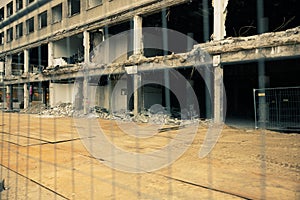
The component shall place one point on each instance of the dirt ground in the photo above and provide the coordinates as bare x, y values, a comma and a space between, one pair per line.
44, 158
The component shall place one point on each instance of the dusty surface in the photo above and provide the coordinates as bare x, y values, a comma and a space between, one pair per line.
43, 158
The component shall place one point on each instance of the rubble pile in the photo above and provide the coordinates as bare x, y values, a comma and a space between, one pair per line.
153, 116
61, 110
34, 109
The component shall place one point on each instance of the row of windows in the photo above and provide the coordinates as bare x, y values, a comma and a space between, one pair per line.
10, 8
29, 28
73, 7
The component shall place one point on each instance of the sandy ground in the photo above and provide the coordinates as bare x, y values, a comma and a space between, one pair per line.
44, 158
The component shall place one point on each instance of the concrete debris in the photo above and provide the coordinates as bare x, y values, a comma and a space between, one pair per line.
153, 116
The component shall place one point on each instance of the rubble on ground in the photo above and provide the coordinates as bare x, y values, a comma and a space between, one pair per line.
146, 116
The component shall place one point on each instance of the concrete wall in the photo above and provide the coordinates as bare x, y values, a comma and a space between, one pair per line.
61, 93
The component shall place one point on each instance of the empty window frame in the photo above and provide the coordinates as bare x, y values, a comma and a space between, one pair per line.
43, 20
19, 30
30, 25
1, 13
73, 7
9, 9
57, 13
9, 35
19, 4
94, 3
1, 38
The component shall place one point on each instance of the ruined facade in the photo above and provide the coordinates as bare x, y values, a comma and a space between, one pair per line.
46, 46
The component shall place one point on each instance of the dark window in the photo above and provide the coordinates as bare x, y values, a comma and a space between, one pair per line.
29, 1
57, 13
9, 8
43, 20
30, 25
74, 7
9, 35
2, 14
1, 38
93, 3
19, 4
19, 30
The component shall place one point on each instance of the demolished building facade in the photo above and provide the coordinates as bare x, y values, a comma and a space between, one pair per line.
46, 47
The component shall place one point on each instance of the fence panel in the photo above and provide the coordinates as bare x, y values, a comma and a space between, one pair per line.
277, 108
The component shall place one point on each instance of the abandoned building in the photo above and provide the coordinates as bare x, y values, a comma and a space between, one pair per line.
46, 46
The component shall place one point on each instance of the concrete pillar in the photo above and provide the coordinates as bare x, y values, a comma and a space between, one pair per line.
26, 61
51, 95
9, 98
50, 54
86, 44
2, 64
8, 65
220, 11
137, 93
26, 95
137, 50
86, 100
138, 35
218, 93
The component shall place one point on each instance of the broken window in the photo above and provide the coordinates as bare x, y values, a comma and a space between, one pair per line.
9, 8
2, 14
69, 50
1, 38
43, 20
93, 3
19, 30
74, 7
30, 25
9, 35
57, 13
29, 1
19, 4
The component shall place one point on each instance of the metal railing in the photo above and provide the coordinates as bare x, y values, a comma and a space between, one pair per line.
277, 108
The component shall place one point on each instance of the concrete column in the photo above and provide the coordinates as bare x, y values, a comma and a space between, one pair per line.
220, 11
8, 65
86, 44
51, 95
26, 61
1, 70
26, 95
9, 98
86, 100
138, 35
137, 50
137, 91
50, 54
218, 94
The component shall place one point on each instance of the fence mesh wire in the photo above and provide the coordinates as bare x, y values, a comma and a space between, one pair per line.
277, 108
